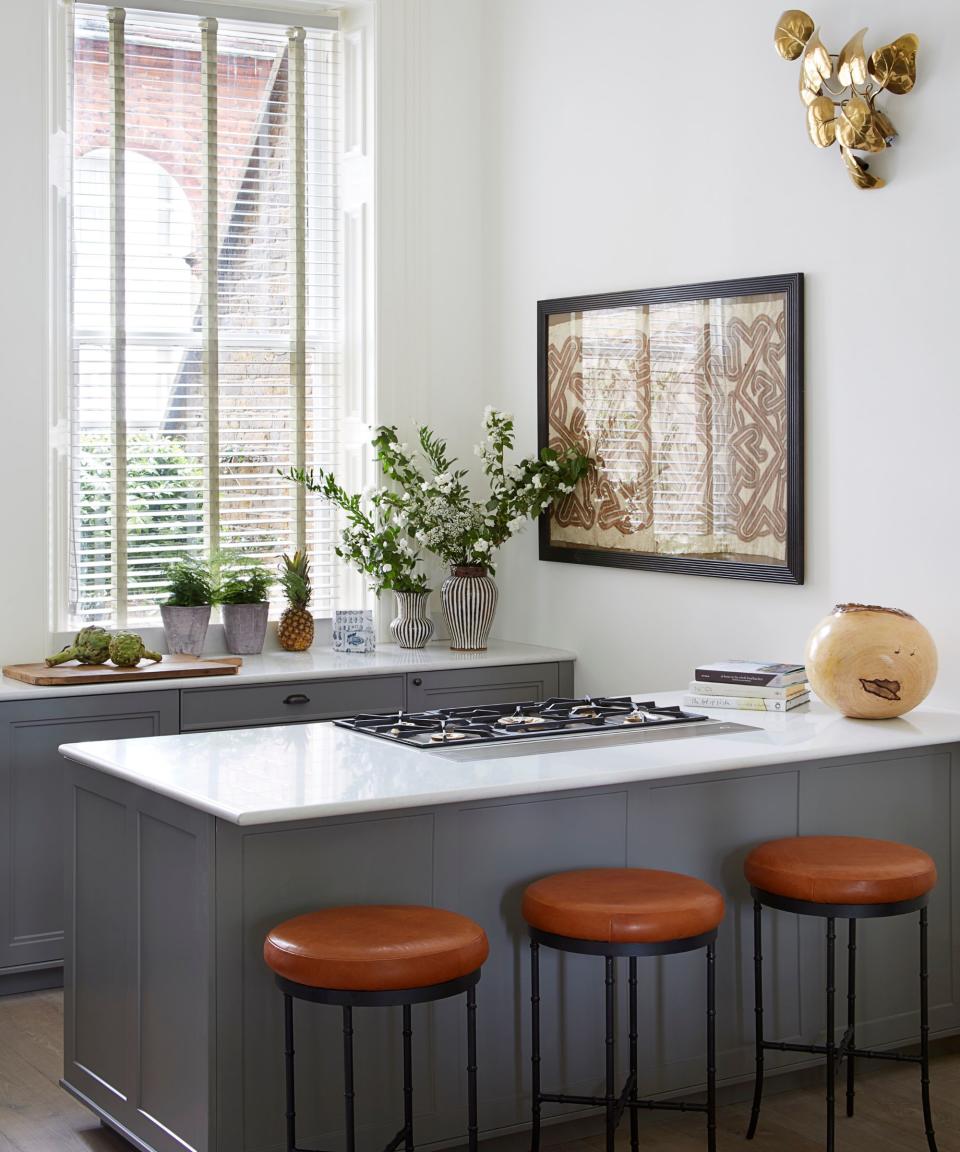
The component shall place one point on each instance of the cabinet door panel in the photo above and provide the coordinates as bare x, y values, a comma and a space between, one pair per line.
476, 687
31, 806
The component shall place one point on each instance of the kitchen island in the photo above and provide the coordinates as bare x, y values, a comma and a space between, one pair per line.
186, 849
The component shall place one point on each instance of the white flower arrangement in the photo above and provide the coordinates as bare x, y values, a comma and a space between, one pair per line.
442, 515
387, 528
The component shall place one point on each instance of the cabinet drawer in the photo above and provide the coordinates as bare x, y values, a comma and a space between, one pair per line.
474, 687
292, 702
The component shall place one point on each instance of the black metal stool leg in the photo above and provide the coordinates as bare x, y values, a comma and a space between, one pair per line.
288, 1069
925, 1036
831, 1031
535, 1044
851, 1037
634, 1073
757, 1016
407, 1079
711, 1049
611, 1092
348, 1101
472, 1068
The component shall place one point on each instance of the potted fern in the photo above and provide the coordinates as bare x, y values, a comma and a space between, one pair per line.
244, 607
295, 626
188, 584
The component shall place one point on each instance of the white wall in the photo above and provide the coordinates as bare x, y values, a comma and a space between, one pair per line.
23, 340
436, 139
655, 143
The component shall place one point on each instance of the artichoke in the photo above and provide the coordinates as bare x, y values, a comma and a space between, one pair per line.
91, 645
127, 650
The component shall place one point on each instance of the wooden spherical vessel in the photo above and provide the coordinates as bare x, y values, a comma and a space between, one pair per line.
871, 662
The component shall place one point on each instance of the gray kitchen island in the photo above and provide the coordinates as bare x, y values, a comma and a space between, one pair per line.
185, 849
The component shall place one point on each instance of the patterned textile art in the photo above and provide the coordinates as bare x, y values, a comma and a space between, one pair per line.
684, 407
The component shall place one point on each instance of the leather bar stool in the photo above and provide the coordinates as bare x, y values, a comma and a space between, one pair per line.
377, 956
850, 878
630, 912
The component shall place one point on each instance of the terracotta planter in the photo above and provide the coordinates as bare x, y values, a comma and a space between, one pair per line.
412, 627
871, 662
469, 598
185, 629
245, 627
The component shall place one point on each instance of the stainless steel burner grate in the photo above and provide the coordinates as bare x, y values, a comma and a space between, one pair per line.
530, 719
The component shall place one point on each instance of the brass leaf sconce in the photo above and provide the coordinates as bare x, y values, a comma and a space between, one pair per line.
840, 92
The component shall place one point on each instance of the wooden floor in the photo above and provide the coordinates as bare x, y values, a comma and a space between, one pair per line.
36, 1115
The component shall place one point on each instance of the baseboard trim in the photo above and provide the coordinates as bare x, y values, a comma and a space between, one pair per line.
105, 1119
14, 982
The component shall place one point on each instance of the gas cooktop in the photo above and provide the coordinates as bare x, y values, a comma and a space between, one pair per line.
532, 719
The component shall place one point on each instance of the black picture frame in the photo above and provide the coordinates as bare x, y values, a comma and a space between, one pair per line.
792, 570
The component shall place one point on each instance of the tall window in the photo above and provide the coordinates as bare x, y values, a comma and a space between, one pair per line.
206, 298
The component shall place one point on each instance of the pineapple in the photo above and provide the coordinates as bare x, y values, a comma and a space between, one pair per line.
295, 628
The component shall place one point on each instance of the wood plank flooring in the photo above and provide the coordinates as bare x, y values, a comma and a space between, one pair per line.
36, 1115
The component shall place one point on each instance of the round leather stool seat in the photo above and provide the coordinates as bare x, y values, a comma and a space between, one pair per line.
623, 905
376, 947
840, 870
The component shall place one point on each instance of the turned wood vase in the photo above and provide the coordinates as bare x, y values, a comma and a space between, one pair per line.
871, 662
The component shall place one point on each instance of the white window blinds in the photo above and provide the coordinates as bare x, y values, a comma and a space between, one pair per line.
206, 298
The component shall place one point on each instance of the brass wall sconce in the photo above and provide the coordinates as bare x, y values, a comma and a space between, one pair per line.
840, 92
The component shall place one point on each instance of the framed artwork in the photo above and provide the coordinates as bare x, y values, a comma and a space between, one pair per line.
690, 401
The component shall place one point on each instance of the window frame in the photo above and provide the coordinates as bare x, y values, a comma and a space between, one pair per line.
357, 308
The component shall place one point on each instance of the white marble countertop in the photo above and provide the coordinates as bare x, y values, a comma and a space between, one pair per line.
316, 664
299, 772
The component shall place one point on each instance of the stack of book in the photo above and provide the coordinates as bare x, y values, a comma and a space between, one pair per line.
758, 686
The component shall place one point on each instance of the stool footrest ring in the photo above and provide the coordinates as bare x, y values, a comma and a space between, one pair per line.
397, 1140
623, 1101
593, 1101
840, 1051
390, 1147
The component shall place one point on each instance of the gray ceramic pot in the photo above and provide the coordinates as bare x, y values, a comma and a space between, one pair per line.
245, 627
185, 628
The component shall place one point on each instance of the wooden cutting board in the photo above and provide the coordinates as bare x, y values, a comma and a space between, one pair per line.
169, 668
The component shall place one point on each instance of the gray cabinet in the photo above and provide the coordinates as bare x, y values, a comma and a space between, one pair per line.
474, 687
31, 814
138, 996
289, 702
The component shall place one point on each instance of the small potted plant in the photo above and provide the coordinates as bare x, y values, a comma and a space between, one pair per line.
295, 627
188, 584
242, 596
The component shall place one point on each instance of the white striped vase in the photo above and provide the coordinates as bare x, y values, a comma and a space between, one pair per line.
469, 598
413, 627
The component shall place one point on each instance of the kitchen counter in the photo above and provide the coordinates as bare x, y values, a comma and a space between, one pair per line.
316, 664
277, 774
183, 851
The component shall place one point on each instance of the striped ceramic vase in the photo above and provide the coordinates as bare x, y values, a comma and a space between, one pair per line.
413, 627
469, 598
